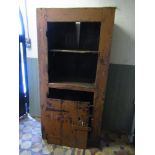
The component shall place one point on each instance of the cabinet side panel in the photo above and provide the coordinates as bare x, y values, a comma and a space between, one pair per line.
102, 72
42, 55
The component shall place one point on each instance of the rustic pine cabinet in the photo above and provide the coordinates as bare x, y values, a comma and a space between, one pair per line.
73, 51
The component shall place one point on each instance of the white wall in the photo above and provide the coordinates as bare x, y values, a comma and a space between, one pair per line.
122, 51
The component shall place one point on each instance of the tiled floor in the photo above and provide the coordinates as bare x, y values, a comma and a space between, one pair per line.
31, 143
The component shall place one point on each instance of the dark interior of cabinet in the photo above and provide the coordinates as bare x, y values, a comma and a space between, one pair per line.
72, 67
73, 35
70, 95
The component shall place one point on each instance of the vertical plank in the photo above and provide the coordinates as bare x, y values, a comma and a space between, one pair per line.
51, 122
67, 129
42, 56
74, 132
102, 72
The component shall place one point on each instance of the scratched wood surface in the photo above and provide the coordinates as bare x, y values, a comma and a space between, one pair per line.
73, 86
66, 122
77, 14
102, 72
60, 119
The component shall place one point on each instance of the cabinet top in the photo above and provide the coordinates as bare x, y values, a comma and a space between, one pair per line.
97, 14
109, 7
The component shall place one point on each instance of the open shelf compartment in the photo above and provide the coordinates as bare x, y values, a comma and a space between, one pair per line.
73, 35
72, 67
74, 95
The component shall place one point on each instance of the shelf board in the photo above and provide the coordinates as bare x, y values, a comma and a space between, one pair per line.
88, 87
73, 51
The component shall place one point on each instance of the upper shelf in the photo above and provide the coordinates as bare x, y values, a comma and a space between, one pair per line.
89, 87
73, 51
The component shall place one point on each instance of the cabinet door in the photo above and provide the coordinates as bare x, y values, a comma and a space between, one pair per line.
66, 122
69, 117
82, 113
74, 126
81, 136
81, 127
51, 121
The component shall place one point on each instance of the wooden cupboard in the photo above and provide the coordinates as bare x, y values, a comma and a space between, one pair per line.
73, 51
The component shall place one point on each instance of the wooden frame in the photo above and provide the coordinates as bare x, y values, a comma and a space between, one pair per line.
103, 15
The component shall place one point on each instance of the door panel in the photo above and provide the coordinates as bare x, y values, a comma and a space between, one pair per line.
66, 122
